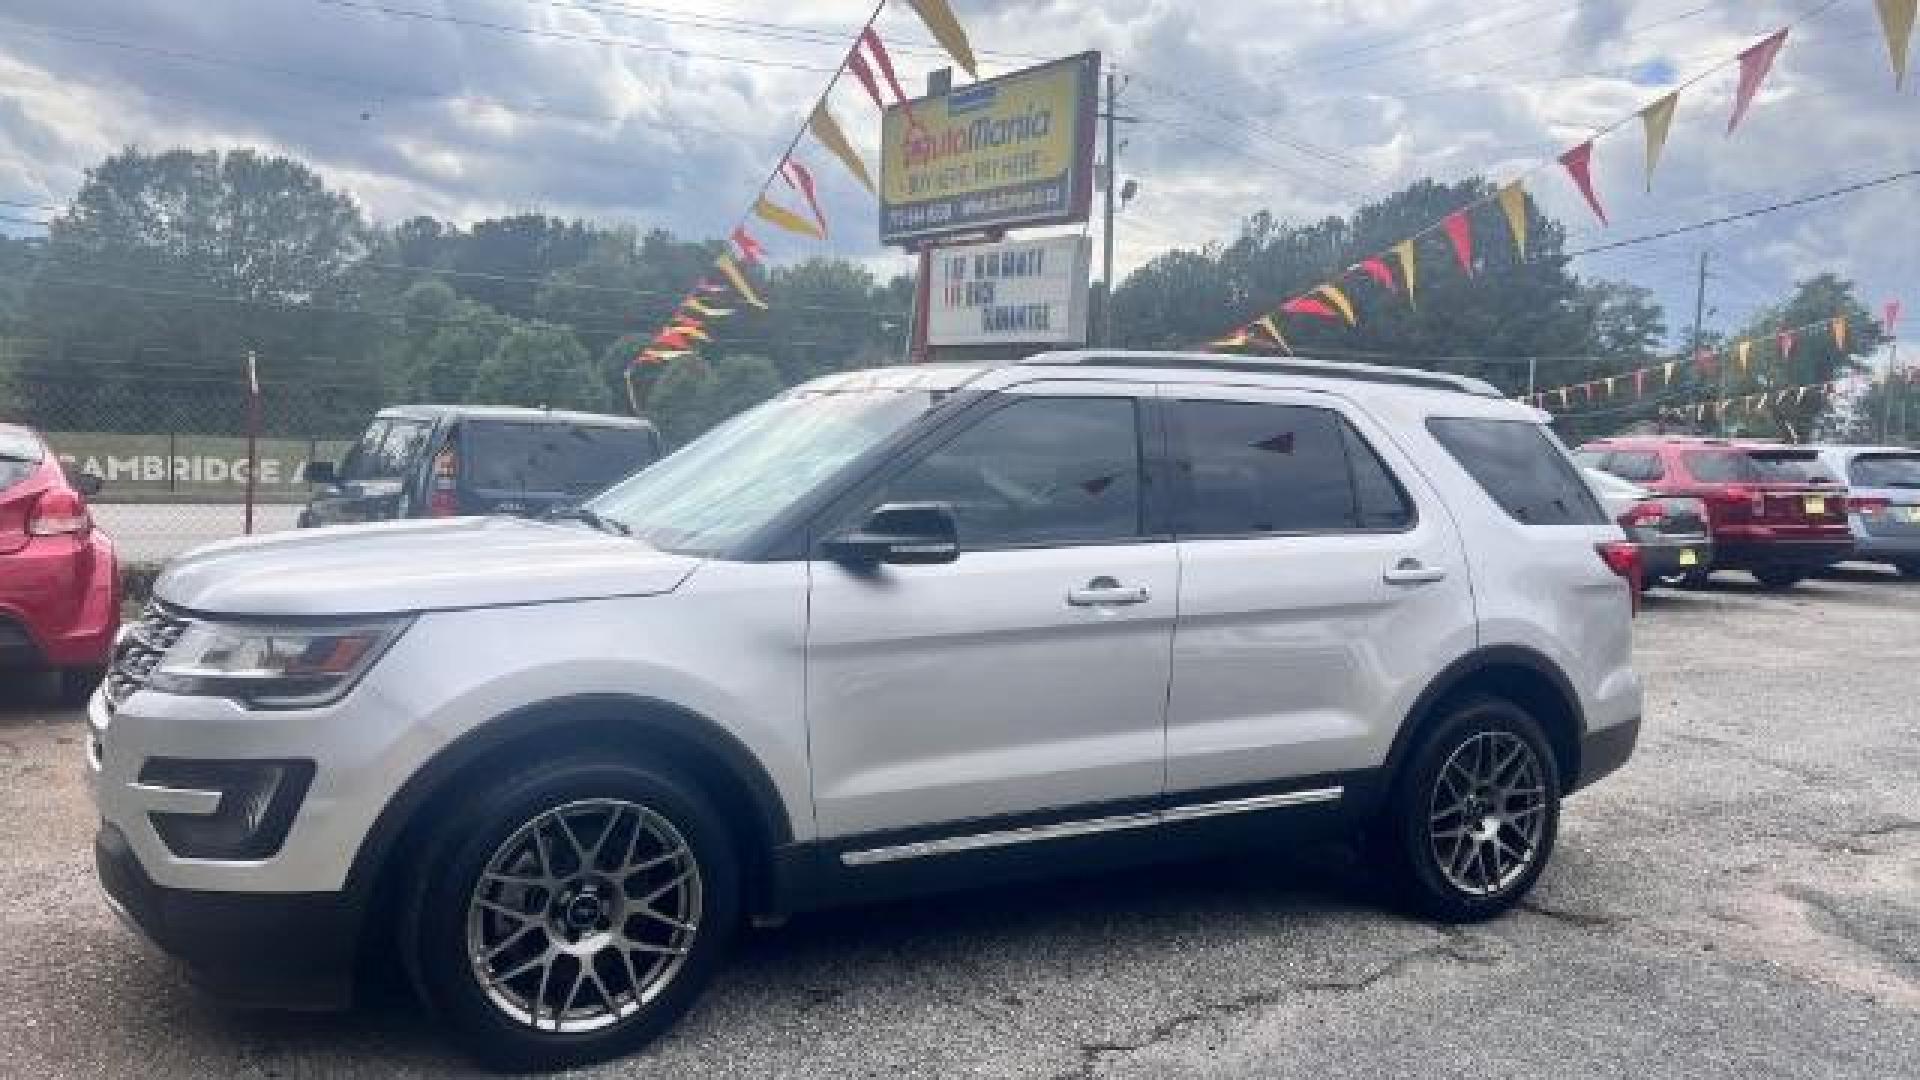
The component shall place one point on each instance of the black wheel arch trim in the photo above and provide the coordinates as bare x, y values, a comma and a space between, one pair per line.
1456, 675
643, 713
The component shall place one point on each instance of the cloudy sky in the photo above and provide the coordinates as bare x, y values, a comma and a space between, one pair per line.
670, 113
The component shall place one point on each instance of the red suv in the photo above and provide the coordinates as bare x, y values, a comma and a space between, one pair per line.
1773, 509
59, 582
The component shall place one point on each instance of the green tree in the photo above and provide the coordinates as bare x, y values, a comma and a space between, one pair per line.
693, 394
1817, 359
539, 365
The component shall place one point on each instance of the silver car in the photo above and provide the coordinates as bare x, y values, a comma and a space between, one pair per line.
1883, 502
1670, 530
891, 631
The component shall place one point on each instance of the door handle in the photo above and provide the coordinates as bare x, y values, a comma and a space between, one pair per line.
1106, 592
1413, 572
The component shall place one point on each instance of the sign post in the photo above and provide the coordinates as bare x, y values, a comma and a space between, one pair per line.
1018, 292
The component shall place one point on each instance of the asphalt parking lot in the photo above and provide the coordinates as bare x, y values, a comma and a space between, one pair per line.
1742, 901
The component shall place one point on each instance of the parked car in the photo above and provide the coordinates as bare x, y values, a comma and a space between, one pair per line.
59, 581
1883, 502
1774, 510
1670, 530
448, 460
892, 631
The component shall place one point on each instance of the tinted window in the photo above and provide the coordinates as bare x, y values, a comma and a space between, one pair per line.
1886, 470
1251, 469
386, 450
1040, 471
577, 460
1726, 466
1792, 467
1523, 470
1635, 465
19, 456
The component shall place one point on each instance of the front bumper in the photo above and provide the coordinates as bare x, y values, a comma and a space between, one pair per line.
265, 950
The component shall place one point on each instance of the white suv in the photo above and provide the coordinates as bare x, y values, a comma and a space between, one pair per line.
893, 630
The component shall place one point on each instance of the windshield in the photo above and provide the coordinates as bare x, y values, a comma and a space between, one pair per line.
19, 456
725, 485
1886, 471
551, 457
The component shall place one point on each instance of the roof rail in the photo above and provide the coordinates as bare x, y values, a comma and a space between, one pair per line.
1289, 365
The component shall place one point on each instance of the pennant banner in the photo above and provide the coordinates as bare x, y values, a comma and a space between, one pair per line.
750, 250
1459, 231
1579, 164
826, 130
1785, 339
1378, 271
947, 31
1513, 203
1890, 319
1840, 332
801, 181
774, 214
1404, 252
1742, 349
1272, 329
1657, 119
1339, 300
739, 281
1306, 305
1755, 62
1896, 18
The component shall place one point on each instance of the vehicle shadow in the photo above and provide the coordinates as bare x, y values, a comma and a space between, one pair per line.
28, 697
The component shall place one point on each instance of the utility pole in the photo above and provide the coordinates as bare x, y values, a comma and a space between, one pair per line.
1112, 169
1889, 386
1699, 315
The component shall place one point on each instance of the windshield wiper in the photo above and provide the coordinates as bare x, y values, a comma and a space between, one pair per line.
599, 521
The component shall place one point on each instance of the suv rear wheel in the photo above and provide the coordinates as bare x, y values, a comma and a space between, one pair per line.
1474, 812
572, 911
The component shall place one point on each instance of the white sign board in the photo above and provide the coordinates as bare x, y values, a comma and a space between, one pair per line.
1015, 293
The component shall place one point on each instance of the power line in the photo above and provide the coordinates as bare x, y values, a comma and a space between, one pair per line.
1820, 196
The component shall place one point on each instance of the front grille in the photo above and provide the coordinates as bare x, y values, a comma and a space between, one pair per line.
140, 650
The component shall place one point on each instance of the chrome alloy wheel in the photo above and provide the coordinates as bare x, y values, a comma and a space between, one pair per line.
584, 915
1488, 813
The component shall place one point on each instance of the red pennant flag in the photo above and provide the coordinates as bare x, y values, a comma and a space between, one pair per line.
1754, 65
1587, 388
1704, 361
1891, 318
1640, 382
1460, 231
1377, 270
671, 340
1785, 340
800, 180
749, 248
872, 41
858, 65
1579, 163
1307, 305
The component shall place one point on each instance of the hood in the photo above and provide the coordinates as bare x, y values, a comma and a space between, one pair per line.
407, 566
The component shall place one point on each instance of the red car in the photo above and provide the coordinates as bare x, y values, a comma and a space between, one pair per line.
1773, 509
59, 581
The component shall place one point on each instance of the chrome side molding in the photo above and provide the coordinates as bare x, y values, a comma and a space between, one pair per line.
1088, 826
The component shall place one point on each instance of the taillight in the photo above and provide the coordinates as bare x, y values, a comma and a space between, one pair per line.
1624, 560
1737, 498
59, 512
1651, 512
442, 500
1867, 505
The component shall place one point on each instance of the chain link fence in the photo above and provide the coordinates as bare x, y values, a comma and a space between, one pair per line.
167, 433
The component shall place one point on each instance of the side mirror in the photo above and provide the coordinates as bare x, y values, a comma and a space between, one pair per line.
907, 534
88, 484
322, 472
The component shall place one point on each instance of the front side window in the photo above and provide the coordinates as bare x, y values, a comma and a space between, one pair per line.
1251, 469
1523, 470
1038, 472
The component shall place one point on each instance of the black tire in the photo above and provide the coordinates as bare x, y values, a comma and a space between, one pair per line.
1779, 578
1409, 833
434, 938
77, 685
1908, 568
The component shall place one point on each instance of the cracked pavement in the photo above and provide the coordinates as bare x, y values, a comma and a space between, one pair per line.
1743, 900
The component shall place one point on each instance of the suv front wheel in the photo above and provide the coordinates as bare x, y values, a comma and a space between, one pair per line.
1474, 812
572, 911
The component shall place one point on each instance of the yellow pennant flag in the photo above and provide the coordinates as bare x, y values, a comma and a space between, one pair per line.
1404, 252
827, 130
1273, 331
774, 214
1896, 18
1231, 341
1657, 118
739, 281
1840, 332
1339, 300
1513, 203
692, 330
694, 303
1741, 349
947, 31
1667, 370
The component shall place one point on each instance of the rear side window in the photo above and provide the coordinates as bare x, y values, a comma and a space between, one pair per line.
1256, 469
19, 455
386, 450
574, 459
1521, 468
1639, 466
1870, 470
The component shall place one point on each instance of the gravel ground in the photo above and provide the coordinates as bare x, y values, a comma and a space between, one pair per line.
1742, 901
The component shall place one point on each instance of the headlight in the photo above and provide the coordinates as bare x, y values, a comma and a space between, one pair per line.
275, 667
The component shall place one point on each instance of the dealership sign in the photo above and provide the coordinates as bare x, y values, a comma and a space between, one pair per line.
1025, 292
163, 467
1016, 150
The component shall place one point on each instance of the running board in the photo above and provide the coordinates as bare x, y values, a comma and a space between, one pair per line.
1088, 827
